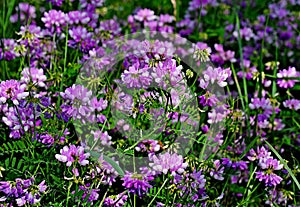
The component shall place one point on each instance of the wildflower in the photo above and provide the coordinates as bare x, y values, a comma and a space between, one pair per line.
202, 52
45, 138
289, 73
218, 114
104, 137
23, 192
249, 71
268, 165
217, 171
245, 33
33, 75
167, 162
72, 154
55, 20
9, 52
82, 38
222, 56
22, 119
78, 17
268, 176
215, 75
191, 185
145, 15
12, 90
89, 194
115, 201
99, 105
261, 153
208, 99
293, 104
136, 77
77, 102
27, 12
103, 171
138, 183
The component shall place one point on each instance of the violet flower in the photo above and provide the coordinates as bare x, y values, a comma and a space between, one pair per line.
12, 90
287, 73
136, 77
293, 104
34, 76
167, 162
72, 154
138, 183
55, 20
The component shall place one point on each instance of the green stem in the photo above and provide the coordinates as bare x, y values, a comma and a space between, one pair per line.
163, 185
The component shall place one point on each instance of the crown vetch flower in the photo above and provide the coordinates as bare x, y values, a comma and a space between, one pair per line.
287, 73
27, 12
78, 17
9, 52
293, 104
34, 75
217, 171
103, 137
77, 103
12, 90
115, 201
72, 154
215, 75
192, 185
136, 77
249, 70
138, 183
167, 162
145, 15
22, 192
55, 20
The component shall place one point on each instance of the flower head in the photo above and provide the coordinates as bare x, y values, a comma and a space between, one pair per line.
72, 154
12, 90
167, 162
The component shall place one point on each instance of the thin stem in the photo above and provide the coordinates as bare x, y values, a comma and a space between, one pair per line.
163, 185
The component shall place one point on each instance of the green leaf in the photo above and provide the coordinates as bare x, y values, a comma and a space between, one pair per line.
13, 162
110, 161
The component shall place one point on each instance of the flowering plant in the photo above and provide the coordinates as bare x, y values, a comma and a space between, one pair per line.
149, 103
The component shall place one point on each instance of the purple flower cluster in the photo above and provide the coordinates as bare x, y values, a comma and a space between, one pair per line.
22, 192
12, 90
55, 20
191, 185
166, 162
284, 75
34, 76
215, 75
138, 183
27, 12
103, 137
8, 52
79, 104
22, 118
147, 19
136, 77
73, 155
115, 201
221, 56
267, 165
